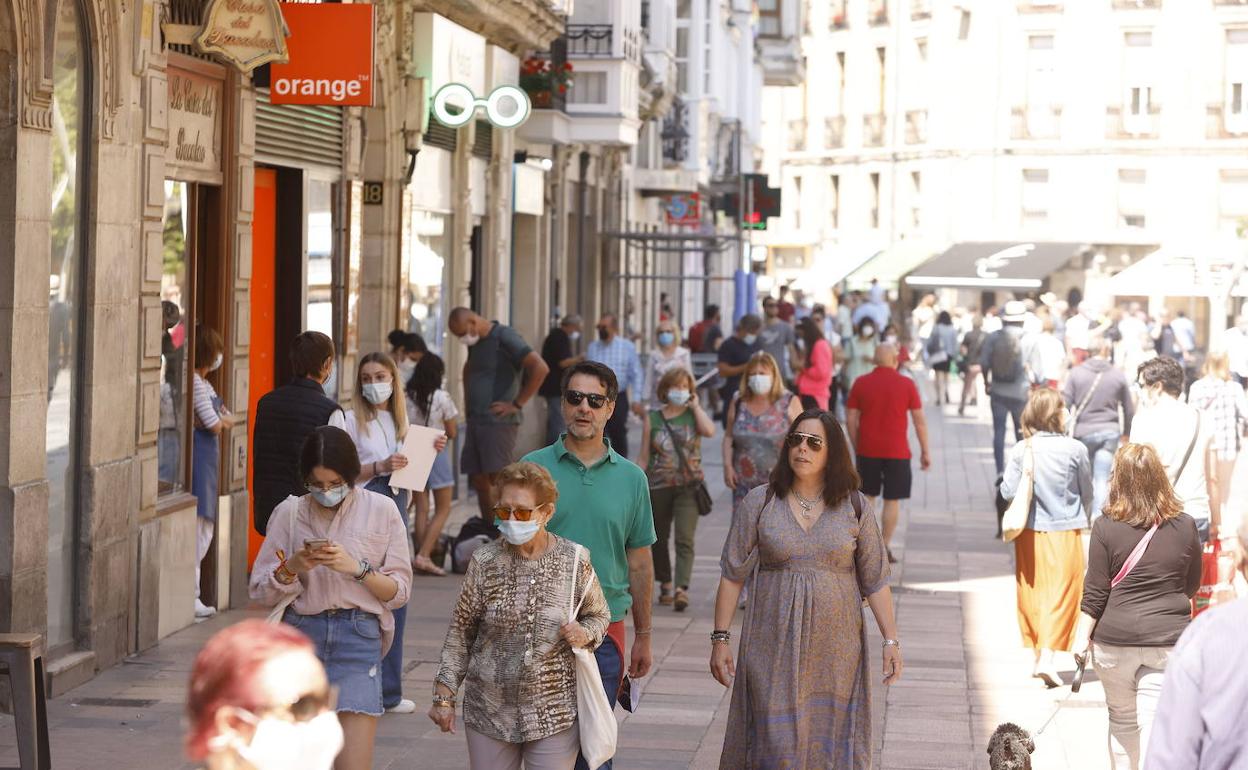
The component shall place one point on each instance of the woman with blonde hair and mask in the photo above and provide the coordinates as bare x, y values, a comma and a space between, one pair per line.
758, 420
377, 424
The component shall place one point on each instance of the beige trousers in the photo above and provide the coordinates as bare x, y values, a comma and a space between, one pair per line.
557, 752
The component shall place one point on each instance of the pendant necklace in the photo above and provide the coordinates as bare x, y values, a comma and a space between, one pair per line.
807, 504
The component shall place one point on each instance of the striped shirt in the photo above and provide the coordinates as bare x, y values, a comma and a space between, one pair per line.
202, 397
1199, 721
620, 356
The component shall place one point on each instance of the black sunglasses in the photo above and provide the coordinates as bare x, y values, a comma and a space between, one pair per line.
814, 442
575, 397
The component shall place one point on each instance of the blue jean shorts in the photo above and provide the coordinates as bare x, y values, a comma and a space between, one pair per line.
441, 475
348, 643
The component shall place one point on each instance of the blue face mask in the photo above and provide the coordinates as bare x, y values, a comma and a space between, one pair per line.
666, 338
517, 532
331, 497
677, 397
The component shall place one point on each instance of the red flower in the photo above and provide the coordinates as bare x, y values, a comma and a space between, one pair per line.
563, 89
567, 66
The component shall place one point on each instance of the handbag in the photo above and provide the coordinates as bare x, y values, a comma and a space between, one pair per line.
1083, 404
1137, 553
936, 353
1015, 519
595, 718
701, 495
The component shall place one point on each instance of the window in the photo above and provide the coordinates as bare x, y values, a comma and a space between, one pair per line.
430, 249
920, 49
1041, 110
840, 86
1035, 195
175, 358
706, 45
1137, 82
682, 57
881, 55
1233, 201
875, 201
769, 18
797, 203
964, 24
836, 15
70, 160
591, 88
834, 200
916, 199
1236, 106
1132, 203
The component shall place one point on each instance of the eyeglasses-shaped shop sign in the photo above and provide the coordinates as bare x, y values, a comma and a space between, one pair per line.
455, 105
331, 56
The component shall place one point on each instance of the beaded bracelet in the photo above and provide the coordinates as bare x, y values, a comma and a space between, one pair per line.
721, 637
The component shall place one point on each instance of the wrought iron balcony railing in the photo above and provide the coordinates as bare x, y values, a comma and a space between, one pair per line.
591, 40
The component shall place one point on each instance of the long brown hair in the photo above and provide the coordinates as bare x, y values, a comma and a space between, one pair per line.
840, 479
1140, 492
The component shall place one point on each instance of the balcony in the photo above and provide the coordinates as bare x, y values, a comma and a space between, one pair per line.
1035, 122
797, 136
1223, 123
1039, 6
779, 43
546, 78
920, 10
605, 50
665, 181
873, 130
877, 13
1230, 2
591, 40
1122, 123
1127, 5
916, 127
675, 134
834, 132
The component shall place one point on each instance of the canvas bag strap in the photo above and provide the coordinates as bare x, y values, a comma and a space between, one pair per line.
676, 444
1083, 404
1133, 559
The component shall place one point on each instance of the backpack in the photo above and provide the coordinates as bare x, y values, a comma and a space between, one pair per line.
1007, 358
475, 533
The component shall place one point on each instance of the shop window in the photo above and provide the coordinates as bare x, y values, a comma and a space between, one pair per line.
70, 127
430, 251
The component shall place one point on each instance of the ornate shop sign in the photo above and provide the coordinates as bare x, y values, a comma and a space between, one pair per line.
194, 149
243, 33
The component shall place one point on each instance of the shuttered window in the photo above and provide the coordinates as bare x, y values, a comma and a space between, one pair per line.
303, 135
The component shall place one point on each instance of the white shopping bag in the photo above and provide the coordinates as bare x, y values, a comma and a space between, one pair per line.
594, 715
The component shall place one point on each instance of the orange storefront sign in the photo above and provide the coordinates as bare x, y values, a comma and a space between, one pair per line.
331, 56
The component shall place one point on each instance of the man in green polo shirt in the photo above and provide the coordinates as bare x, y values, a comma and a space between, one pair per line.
604, 504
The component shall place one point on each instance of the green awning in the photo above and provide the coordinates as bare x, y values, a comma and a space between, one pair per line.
891, 265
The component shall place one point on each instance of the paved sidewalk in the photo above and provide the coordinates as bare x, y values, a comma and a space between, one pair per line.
965, 671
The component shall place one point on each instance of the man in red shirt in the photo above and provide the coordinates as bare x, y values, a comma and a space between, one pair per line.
787, 309
876, 418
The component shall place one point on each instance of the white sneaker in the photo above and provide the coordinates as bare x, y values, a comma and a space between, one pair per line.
404, 706
204, 611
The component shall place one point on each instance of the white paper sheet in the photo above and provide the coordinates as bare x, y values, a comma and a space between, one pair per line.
418, 449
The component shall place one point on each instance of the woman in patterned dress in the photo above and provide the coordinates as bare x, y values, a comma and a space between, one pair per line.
510, 638
809, 545
758, 419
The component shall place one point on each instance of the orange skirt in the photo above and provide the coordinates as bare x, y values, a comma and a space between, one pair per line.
1048, 570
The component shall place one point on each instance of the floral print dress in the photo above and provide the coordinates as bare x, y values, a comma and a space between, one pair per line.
756, 444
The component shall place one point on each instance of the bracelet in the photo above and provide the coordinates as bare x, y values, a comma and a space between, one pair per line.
366, 569
721, 637
374, 469
892, 643
641, 632
444, 702
283, 575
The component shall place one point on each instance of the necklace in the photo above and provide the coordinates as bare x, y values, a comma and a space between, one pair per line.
807, 503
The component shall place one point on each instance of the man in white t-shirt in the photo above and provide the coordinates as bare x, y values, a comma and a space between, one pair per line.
1236, 341
1183, 440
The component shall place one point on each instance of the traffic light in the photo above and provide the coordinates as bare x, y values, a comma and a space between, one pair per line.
761, 202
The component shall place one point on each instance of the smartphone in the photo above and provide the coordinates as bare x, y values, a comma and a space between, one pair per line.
315, 543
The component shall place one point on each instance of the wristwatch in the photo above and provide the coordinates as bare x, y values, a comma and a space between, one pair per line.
366, 569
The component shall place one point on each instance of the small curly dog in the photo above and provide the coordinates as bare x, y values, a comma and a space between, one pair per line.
1010, 748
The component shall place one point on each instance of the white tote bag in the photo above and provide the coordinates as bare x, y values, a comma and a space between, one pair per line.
1015, 519
594, 716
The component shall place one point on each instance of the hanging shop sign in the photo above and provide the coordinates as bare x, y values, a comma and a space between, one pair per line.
245, 33
194, 149
455, 105
683, 210
331, 56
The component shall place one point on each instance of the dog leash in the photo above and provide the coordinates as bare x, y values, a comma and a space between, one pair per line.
1053, 716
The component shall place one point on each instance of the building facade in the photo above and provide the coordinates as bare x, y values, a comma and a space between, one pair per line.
1112, 124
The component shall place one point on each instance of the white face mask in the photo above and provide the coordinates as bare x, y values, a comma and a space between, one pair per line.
406, 367
677, 397
281, 745
750, 339
470, 339
760, 383
574, 336
518, 532
331, 497
216, 363
378, 392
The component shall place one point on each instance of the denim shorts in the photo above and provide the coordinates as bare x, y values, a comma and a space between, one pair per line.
441, 475
348, 643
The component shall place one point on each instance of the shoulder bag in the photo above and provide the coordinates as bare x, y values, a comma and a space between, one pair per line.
701, 495
1083, 404
595, 718
1015, 519
1137, 553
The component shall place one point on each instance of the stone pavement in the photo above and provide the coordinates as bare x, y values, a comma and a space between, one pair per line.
965, 671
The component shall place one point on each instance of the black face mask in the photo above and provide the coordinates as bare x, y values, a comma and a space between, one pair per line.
603, 333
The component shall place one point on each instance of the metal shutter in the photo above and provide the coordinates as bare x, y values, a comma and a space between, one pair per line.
298, 134
441, 136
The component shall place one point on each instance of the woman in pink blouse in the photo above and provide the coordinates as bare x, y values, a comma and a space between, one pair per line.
338, 559
815, 378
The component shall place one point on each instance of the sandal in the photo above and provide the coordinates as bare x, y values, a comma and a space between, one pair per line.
665, 596
425, 565
682, 599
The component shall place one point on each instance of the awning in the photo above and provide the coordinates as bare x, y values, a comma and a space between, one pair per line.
995, 265
1187, 270
890, 265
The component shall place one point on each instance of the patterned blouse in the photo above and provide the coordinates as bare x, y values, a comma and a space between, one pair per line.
756, 443
504, 639
664, 468
1222, 402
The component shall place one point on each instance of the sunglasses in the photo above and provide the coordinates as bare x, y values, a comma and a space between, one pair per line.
309, 706
575, 397
519, 514
815, 443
